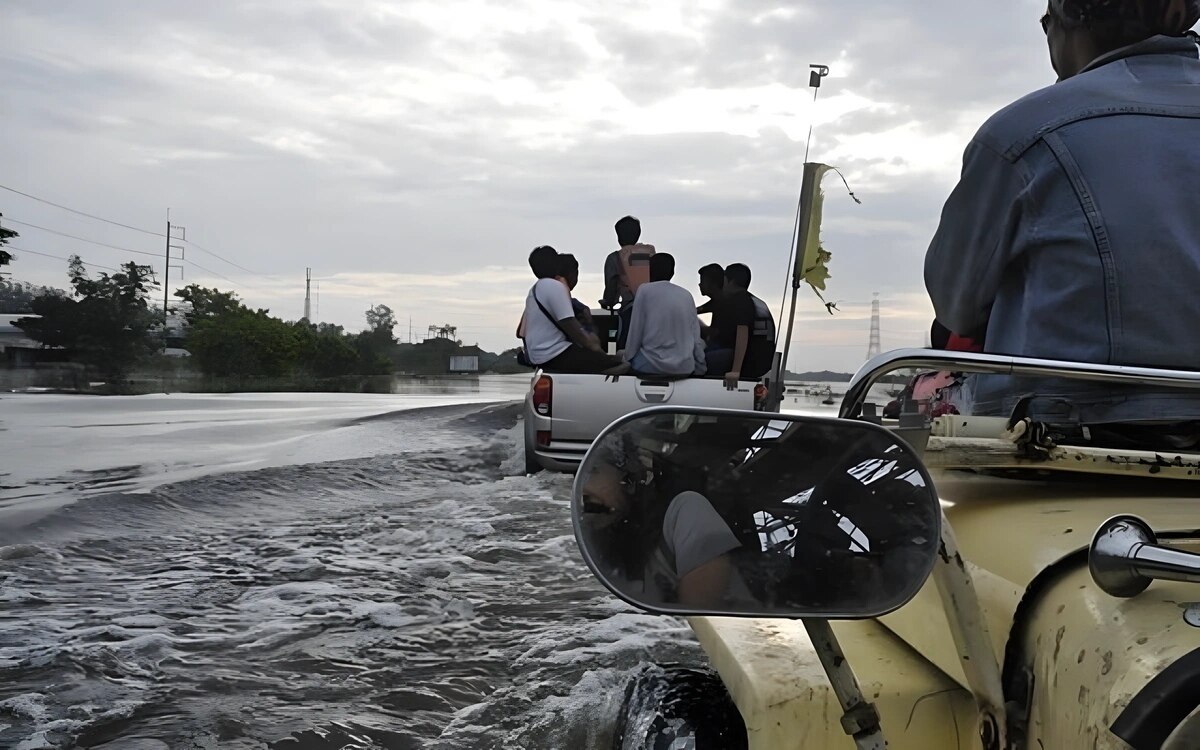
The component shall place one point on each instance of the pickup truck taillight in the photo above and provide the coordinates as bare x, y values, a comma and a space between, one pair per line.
543, 396
760, 396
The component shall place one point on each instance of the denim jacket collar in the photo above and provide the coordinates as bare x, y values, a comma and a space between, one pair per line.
1156, 45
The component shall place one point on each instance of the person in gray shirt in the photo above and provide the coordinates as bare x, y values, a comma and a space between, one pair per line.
664, 333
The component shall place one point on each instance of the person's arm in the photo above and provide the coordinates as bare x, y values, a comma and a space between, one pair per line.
701, 366
577, 335
612, 281
633, 342
741, 343
707, 584
976, 240
707, 307
558, 301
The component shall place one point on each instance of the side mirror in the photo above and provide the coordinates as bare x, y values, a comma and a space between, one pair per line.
715, 512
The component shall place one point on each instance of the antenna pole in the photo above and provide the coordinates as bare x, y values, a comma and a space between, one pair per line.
816, 73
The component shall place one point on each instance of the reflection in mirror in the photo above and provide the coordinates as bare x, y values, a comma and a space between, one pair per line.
710, 512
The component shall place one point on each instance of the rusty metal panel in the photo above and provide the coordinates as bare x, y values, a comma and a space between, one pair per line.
776, 680
1090, 653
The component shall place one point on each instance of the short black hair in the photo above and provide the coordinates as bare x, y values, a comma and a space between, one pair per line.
567, 264
713, 274
662, 267
629, 230
738, 273
543, 261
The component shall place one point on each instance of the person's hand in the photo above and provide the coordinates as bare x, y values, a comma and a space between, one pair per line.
731, 380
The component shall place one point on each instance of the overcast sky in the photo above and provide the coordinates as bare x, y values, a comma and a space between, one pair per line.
412, 153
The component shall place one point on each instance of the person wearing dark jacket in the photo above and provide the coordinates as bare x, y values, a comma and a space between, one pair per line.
1074, 231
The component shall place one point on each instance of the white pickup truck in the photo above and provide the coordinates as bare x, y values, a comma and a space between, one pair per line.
565, 413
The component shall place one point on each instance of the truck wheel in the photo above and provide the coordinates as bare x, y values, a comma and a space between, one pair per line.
674, 707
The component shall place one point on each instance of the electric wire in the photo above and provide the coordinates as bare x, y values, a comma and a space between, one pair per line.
59, 257
196, 245
82, 239
59, 205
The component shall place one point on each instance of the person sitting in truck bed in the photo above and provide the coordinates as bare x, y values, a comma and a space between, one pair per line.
553, 338
712, 285
664, 333
742, 344
1074, 232
626, 269
568, 273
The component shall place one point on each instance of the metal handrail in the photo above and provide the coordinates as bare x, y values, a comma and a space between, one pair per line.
1000, 364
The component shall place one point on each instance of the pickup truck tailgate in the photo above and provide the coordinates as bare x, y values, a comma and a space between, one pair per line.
586, 404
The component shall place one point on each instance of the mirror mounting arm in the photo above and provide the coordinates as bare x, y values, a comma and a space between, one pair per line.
861, 719
969, 629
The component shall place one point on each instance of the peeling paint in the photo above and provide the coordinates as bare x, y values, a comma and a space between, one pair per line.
1106, 662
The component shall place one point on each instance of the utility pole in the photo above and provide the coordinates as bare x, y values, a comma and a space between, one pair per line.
174, 232
874, 347
308, 295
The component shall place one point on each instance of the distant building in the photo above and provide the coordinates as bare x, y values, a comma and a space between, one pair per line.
16, 348
463, 363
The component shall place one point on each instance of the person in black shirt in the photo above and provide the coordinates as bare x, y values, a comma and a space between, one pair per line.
742, 339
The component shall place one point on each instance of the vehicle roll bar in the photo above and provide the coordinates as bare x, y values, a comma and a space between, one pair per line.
1001, 364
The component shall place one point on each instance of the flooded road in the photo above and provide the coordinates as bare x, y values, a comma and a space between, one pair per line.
309, 571
299, 571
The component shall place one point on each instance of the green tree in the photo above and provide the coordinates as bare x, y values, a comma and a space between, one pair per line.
6, 235
108, 323
18, 296
381, 321
243, 343
204, 303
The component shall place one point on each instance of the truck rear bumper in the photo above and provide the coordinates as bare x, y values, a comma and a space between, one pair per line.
561, 455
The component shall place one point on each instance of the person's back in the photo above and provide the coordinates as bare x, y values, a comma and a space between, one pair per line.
664, 336
742, 344
1075, 232
627, 267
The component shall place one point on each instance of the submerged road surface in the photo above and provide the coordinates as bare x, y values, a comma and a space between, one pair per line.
298, 571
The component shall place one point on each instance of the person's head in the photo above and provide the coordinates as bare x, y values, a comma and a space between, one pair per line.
662, 267
1079, 31
712, 280
737, 276
568, 269
604, 493
629, 231
543, 261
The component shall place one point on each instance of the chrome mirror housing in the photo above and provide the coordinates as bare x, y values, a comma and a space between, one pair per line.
715, 512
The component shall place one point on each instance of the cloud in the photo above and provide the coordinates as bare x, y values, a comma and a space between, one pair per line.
411, 152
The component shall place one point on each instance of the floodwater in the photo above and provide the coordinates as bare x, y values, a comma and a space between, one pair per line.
302, 571
299, 571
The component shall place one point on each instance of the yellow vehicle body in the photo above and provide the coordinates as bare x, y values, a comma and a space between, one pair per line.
1073, 657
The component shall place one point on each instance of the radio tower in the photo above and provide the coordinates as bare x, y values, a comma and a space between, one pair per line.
308, 295
874, 348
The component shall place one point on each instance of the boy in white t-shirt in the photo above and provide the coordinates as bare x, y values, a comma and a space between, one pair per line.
553, 338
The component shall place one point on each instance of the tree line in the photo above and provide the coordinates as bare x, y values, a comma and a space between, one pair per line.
108, 323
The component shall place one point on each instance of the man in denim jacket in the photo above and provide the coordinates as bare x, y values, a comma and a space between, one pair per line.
1075, 230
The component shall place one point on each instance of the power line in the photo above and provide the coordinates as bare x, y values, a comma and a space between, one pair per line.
75, 237
218, 257
82, 213
59, 257
214, 273
119, 224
